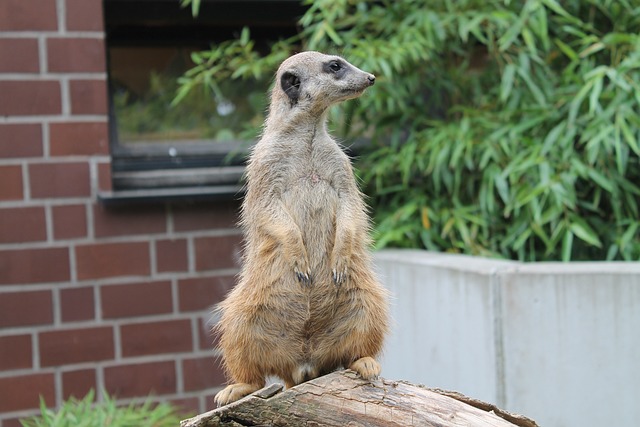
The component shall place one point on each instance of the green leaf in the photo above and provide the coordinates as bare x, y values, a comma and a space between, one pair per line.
245, 36
503, 187
567, 246
594, 96
577, 101
507, 81
581, 229
510, 36
628, 135
629, 235
601, 180
552, 137
529, 41
594, 48
566, 49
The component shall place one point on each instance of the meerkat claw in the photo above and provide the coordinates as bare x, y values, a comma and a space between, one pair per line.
339, 278
304, 278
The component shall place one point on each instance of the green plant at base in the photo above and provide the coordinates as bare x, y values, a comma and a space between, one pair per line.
86, 413
500, 128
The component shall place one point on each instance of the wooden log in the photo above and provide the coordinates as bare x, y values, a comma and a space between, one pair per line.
343, 399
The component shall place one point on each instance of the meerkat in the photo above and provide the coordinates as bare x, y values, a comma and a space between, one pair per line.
307, 300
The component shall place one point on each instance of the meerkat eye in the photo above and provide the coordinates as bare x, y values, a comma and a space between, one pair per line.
335, 66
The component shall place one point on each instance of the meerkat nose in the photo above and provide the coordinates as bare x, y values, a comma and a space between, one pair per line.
372, 79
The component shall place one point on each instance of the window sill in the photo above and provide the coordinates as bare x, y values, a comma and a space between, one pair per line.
170, 195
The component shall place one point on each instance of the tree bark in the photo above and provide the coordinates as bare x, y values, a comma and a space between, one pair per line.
343, 399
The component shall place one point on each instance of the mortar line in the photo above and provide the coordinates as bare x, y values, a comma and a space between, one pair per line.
48, 220
26, 183
73, 274
65, 96
35, 346
62, 17
42, 54
152, 257
46, 141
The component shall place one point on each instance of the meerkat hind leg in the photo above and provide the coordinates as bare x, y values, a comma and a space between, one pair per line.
366, 367
234, 392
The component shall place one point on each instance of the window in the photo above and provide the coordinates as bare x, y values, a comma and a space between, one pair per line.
194, 149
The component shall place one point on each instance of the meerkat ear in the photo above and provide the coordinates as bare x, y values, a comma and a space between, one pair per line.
290, 84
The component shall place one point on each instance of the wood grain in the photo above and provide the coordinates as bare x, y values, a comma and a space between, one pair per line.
343, 399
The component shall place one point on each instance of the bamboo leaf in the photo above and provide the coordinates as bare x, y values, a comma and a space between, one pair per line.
577, 101
566, 49
594, 48
628, 135
594, 96
567, 246
582, 230
507, 81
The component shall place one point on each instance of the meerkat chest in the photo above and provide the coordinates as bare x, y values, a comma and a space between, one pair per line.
321, 166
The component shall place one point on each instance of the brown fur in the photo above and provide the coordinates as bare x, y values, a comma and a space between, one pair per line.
307, 301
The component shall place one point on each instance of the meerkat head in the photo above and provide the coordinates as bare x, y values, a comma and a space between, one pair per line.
313, 81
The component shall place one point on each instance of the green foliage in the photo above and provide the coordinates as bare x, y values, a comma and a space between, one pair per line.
500, 128
85, 413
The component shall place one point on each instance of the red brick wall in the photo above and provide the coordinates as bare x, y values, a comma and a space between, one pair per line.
89, 297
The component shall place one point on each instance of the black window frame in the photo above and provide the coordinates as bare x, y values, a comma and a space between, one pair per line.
164, 171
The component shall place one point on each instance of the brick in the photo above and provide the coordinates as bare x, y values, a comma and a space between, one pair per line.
15, 352
171, 336
171, 255
88, 97
19, 266
29, 97
64, 347
25, 308
22, 225
20, 15
217, 252
202, 292
11, 182
205, 216
23, 54
104, 177
100, 260
79, 138
76, 55
129, 221
78, 383
20, 140
70, 179
136, 299
141, 379
24, 391
202, 373
84, 15
77, 304
69, 221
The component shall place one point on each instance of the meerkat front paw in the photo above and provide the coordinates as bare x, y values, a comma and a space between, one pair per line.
302, 271
366, 367
339, 270
234, 392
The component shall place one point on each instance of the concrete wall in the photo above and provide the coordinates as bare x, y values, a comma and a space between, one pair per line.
557, 342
